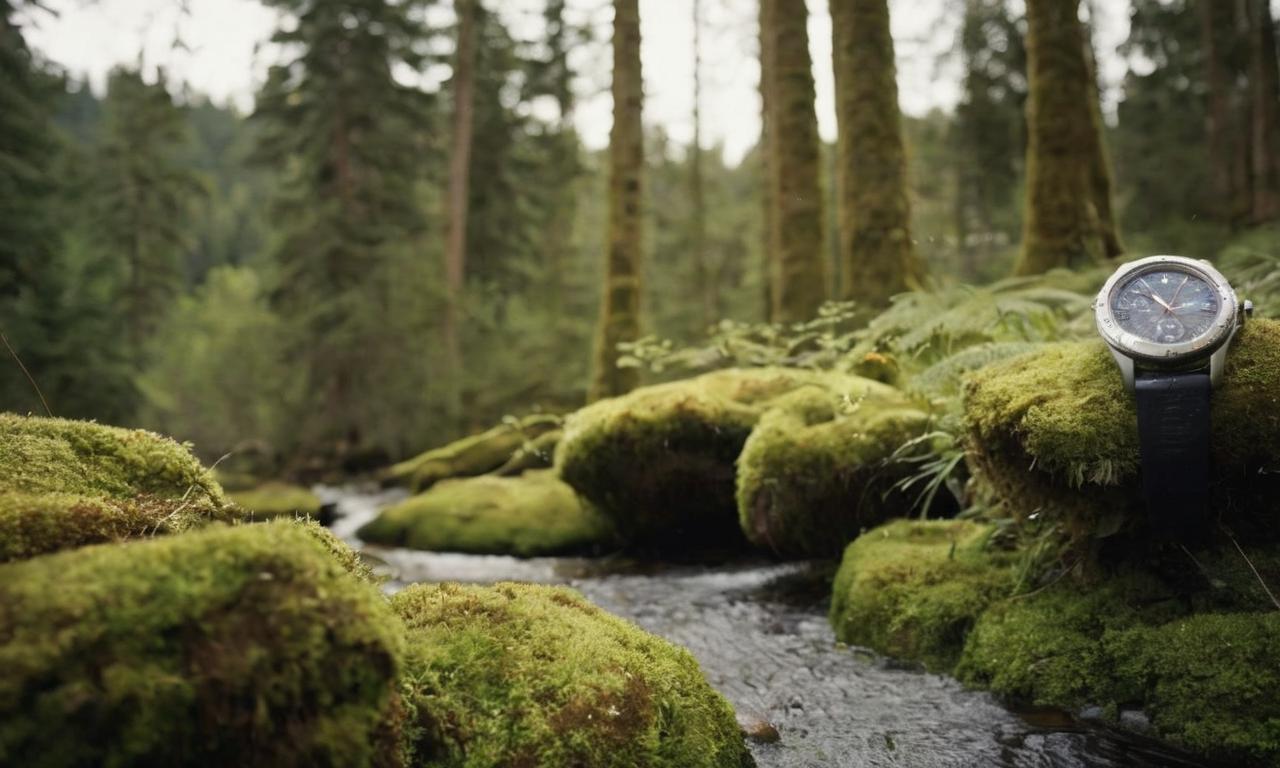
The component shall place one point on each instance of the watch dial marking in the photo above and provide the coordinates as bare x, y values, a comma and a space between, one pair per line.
1165, 306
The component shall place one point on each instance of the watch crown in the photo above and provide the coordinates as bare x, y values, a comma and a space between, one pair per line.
1247, 307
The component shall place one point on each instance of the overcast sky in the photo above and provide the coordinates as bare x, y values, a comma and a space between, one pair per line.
226, 54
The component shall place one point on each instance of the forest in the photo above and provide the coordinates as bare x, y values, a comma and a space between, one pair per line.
310, 411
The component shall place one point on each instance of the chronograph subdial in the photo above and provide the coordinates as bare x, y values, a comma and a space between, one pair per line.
1168, 330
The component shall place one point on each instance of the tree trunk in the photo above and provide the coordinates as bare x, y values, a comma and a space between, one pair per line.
1264, 92
1063, 226
708, 294
620, 304
1100, 174
459, 174
799, 276
877, 257
768, 225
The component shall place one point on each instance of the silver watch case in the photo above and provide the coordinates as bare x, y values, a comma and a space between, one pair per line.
1211, 346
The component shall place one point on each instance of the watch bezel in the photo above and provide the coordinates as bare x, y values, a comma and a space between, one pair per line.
1167, 354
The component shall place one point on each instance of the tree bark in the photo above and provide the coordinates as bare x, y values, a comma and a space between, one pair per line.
708, 293
459, 173
877, 257
1063, 226
799, 282
1100, 173
620, 304
1264, 92
768, 225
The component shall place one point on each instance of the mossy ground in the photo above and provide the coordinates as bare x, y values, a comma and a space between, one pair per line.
529, 515
276, 499
660, 461
524, 676
818, 469
248, 645
1054, 432
69, 483
913, 589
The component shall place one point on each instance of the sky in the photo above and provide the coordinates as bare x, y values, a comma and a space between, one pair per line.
225, 54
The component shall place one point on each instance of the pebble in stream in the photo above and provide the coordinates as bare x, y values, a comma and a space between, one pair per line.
761, 635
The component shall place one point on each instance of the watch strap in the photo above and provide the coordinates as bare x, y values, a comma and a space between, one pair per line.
1173, 437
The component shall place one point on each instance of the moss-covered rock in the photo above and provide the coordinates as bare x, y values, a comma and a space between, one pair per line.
276, 499
817, 470
69, 483
913, 589
660, 461
1055, 432
520, 675
530, 515
1207, 679
247, 645
471, 456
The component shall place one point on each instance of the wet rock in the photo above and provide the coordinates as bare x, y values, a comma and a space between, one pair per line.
758, 730
1135, 720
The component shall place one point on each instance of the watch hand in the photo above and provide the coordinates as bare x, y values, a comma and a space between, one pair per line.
1185, 278
1151, 293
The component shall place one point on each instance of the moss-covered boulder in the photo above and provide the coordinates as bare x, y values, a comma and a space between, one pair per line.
660, 461
270, 500
1206, 679
69, 483
818, 469
913, 589
531, 515
520, 675
1055, 432
248, 645
474, 455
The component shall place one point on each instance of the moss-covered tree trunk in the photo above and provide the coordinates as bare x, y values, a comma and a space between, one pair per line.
766, 249
455, 254
1265, 92
1100, 173
798, 279
1068, 181
876, 254
620, 304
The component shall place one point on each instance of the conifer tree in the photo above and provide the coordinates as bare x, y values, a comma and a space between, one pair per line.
876, 253
1067, 221
620, 303
341, 131
143, 196
797, 269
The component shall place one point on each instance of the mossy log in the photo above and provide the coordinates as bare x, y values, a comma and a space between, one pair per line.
818, 469
248, 645
538, 453
1053, 432
68, 483
522, 675
660, 462
470, 456
531, 515
913, 589
275, 499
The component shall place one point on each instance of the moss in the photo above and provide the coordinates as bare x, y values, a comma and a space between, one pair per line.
232, 646
343, 555
1206, 679
470, 456
659, 463
913, 589
530, 515
1055, 432
523, 676
70, 483
816, 471
275, 499
538, 453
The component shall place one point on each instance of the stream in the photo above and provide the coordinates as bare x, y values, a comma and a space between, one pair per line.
760, 632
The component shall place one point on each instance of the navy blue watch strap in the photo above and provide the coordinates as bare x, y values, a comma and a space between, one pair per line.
1173, 436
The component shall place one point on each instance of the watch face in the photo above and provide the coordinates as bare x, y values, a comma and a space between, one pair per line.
1165, 305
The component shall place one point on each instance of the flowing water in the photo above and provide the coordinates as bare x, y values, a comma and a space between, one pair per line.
760, 632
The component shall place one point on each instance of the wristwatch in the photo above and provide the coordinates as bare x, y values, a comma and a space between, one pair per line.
1169, 321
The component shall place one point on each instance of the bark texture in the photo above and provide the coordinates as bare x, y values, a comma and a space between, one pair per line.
1265, 93
620, 304
1068, 219
455, 258
798, 282
876, 254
